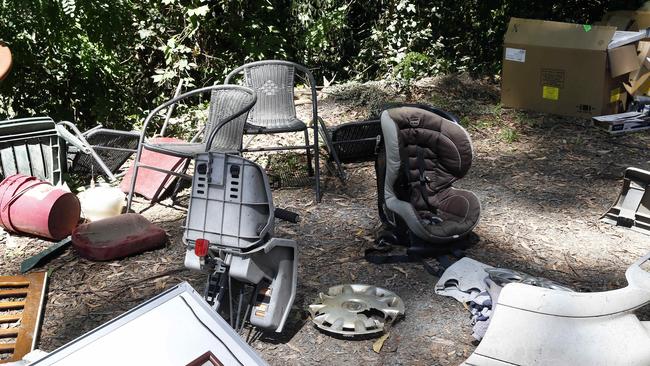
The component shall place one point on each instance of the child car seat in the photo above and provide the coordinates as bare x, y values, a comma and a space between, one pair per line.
421, 155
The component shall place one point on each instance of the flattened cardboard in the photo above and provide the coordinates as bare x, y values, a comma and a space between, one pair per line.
621, 19
635, 75
641, 20
639, 86
623, 60
564, 71
644, 53
621, 22
627, 19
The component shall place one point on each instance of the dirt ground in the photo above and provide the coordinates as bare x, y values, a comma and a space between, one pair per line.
543, 182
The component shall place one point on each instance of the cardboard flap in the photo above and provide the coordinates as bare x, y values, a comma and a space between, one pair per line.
621, 22
621, 19
641, 20
623, 60
639, 86
622, 38
636, 74
644, 53
556, 34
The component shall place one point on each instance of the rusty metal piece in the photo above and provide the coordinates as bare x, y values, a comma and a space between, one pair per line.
21, 303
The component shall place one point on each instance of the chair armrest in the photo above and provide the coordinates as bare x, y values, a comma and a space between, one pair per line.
79, 141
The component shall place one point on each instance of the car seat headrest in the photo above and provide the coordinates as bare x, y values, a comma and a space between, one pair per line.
447, 146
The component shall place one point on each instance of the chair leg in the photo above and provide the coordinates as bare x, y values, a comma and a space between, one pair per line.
317, 162
310, 170
179, 181
338, 169
134, 177
177, 187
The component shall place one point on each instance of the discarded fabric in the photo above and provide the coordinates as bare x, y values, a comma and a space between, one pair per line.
478, 285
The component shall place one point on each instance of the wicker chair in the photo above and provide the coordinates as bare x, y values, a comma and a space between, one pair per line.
273, 82
229, 106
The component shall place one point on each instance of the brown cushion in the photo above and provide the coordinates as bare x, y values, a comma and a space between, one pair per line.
117, 237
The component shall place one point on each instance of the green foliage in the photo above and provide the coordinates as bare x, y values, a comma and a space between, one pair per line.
109, 61
414, 65
372, 95
463, 35
321, 29
509, 135
67, 61
101, 61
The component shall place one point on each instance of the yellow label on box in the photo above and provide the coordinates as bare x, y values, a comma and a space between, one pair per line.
551, 92
615, 95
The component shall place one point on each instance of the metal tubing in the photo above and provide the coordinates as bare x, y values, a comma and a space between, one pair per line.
154, 112
278, 148
171, 108
312, 83
92, 151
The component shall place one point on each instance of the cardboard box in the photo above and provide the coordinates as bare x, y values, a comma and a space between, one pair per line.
627, 19
562, 68
622, 20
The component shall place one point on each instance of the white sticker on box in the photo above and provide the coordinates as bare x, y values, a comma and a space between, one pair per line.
515, 54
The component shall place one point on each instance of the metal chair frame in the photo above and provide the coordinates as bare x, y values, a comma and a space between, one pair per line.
209, 140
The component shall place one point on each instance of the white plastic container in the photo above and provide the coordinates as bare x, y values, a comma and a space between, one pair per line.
101, 202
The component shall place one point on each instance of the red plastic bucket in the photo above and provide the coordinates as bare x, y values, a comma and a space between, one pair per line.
30, 205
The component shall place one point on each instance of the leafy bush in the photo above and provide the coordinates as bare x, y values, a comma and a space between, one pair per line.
414, 65
107, 61
372, 95
68, 60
